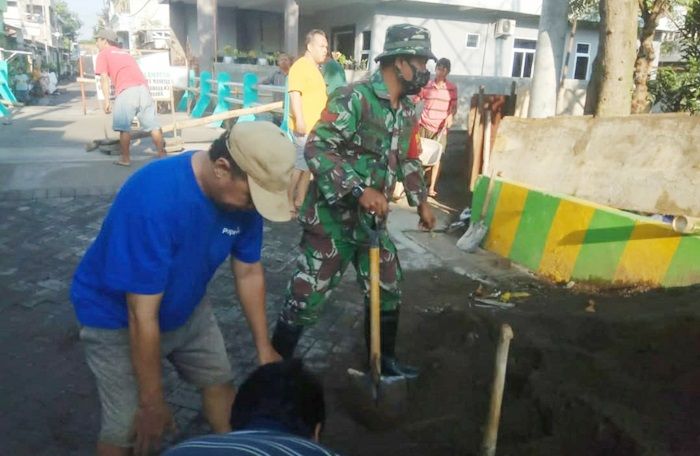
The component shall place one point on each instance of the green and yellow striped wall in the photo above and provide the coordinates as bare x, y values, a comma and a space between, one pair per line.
564, 238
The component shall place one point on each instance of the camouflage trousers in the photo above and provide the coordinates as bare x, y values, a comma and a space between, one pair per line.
327, 248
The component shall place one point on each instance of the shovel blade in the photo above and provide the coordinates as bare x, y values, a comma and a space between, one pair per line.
377, 405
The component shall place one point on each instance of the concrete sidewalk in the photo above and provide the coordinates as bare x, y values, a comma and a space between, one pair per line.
42, 150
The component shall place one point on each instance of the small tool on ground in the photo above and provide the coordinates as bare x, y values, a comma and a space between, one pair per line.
388, 394
488, 446
477, 231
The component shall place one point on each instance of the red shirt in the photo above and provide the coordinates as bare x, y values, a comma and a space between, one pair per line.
121, 68
439, 102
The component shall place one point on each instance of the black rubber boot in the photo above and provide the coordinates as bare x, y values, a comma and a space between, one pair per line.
389, 325
285, 338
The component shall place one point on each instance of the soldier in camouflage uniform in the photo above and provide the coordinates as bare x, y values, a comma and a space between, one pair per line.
365, 141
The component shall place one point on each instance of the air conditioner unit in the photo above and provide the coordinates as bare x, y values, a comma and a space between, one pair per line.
505, 27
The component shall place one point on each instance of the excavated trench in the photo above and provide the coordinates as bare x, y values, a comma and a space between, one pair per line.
621, 380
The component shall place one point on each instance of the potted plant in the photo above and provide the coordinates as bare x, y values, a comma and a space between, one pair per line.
229, 53
272, 58
262, 58
252, 57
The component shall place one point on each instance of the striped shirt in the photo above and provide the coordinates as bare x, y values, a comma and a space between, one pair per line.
250, 443
438, 103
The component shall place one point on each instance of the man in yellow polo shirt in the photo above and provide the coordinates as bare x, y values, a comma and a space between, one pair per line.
307, 98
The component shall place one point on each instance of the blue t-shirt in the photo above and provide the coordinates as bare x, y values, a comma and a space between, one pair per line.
162, 234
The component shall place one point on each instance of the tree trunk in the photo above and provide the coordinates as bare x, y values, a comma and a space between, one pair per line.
593, 89
646, 54
548, 58
619, 33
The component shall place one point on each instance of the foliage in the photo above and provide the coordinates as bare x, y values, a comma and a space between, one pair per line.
678, 89
102, 19
584, 10
70, 22
272, 58
230, 51
690, 32
350, 64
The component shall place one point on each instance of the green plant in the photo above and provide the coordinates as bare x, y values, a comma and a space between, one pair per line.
678, 89
342, 59
229, 51
252, 54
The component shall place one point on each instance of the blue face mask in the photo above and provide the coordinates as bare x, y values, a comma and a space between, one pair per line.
414, 85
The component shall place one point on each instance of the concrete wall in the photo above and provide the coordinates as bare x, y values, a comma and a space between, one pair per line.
519, 6
449, 29
564, 238
358, 16
178, 22
191, 35
226, 25
588, 35
260, 31
645, 163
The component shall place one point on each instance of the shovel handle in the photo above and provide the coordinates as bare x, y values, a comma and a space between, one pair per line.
488, 446
375, 338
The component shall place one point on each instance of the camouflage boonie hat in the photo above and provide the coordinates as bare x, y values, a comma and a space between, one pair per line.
406, 39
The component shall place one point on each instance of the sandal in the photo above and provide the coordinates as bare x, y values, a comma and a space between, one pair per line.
120, 163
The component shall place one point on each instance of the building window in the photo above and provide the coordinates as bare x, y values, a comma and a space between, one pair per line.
472, 40
343, 40
366, 43
35, 13
523, 58
666, 36
583, 57
11, 3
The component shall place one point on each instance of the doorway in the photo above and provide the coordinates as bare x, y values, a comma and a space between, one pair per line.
343, 40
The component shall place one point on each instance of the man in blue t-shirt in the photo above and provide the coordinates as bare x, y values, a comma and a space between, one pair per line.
279, 411
138, 291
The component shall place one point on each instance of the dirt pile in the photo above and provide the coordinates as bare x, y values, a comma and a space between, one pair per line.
621, 378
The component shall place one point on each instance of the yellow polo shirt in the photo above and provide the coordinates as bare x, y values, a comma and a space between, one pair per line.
305, 77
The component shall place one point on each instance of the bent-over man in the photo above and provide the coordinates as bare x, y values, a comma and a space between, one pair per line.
138, 291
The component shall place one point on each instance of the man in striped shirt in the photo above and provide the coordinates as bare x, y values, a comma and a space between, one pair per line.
439, 99
279, 411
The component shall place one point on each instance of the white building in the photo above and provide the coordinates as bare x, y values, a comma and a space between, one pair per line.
140, 24
481, 37
37, 28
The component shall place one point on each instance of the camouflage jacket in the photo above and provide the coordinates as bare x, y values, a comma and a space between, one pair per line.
361, 139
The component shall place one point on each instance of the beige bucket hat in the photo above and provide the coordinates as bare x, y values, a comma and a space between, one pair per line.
267, 156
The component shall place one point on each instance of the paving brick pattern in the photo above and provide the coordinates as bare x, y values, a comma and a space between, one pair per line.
47, 392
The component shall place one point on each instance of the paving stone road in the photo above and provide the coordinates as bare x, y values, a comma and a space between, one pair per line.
46, 386
53, 197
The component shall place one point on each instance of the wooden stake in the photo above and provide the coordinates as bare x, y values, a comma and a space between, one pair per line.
488, 447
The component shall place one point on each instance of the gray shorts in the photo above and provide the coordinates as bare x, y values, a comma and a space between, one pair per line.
196, 350
134, 102
300, 144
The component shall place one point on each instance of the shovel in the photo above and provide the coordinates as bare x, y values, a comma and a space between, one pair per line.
385, 393
477, 231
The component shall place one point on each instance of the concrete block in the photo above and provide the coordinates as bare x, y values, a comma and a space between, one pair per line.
564, 238
646, 163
